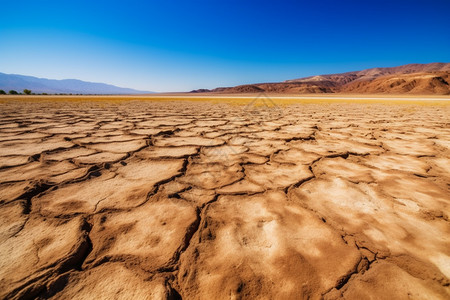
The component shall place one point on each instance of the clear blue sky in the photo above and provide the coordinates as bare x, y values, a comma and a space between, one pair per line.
169, 45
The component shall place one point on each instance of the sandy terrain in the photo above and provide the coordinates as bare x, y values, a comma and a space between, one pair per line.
202, 200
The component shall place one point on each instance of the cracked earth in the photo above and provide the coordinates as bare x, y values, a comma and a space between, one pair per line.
191, 200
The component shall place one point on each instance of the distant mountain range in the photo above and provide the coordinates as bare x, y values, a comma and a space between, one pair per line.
433, 78
66, 86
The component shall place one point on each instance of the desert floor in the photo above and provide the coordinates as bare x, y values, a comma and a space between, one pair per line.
106, 198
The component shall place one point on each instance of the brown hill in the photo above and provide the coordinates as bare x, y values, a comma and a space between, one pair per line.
281, 87
416, 83
373, 73
430, 78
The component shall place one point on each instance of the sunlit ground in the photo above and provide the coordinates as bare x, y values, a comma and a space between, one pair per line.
254, 100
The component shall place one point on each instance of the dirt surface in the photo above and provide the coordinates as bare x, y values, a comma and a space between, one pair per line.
200, 200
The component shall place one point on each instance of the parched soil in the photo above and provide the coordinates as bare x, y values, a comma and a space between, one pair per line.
195, 200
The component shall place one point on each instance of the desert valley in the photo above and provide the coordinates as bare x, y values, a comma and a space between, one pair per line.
224, 197
229, 150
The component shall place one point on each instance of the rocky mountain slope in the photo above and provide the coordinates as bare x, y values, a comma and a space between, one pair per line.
408, 79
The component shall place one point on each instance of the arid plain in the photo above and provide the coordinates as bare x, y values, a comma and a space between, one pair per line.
216, 198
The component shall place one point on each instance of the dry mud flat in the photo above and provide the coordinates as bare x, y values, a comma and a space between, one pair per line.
156, 200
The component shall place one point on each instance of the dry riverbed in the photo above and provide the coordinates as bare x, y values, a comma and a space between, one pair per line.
200, 200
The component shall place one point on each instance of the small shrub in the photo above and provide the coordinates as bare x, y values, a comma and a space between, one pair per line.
13, 92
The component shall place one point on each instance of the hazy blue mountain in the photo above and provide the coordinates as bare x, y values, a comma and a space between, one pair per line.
66, 86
